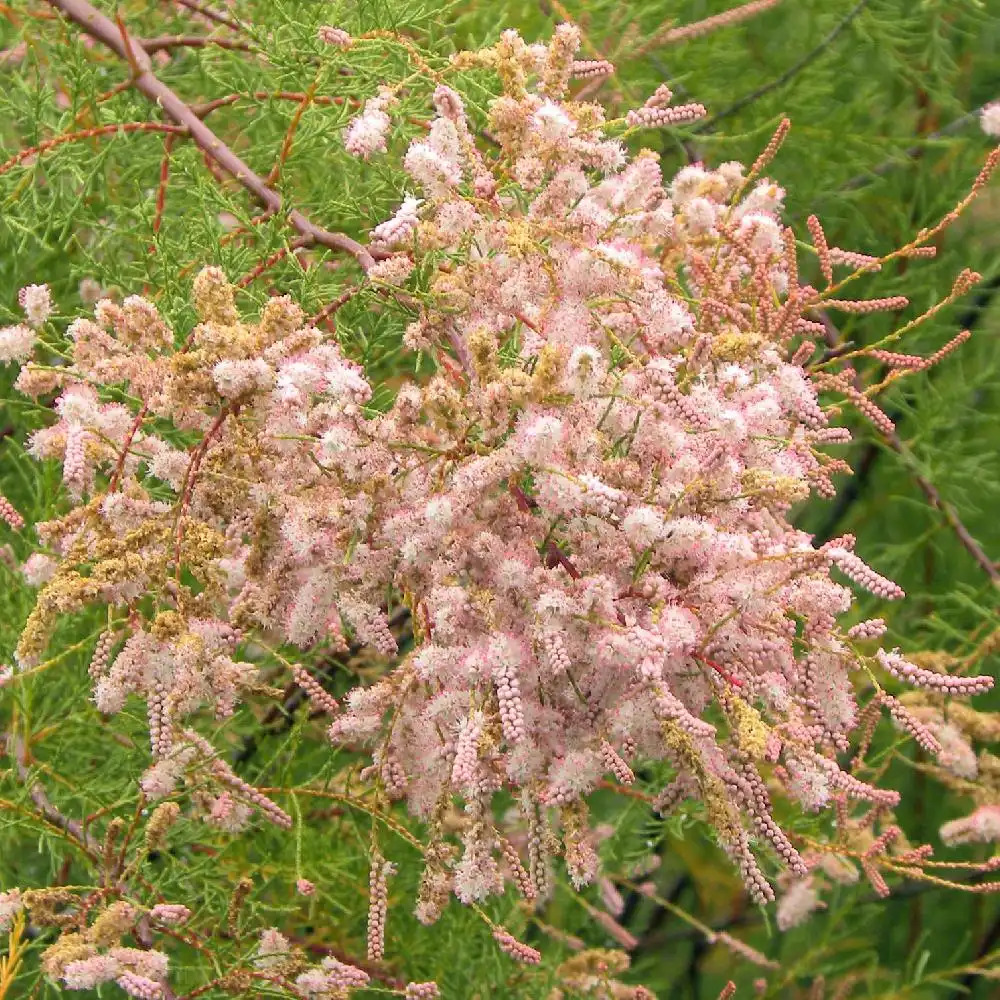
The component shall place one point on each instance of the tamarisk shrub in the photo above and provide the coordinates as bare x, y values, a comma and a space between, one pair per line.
585, 509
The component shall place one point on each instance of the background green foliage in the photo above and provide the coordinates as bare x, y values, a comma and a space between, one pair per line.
884, 141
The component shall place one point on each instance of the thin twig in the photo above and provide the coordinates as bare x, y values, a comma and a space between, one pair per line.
293, 125
123, 128
912, 152
161, 191
41, 799
266, 265
331, 307
212, 15
833, 338
201, 110
163, 42
793, 71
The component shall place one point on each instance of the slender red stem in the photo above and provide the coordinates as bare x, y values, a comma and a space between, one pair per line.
735, 681
133, 430
161, 191
89, 133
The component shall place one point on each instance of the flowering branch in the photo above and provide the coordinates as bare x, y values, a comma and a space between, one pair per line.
834, 339
585, 520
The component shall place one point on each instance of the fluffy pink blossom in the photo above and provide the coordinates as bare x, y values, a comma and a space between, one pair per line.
337, 37
368, 131
392, 270
146, 962
38, 568
980, 827
10, 905
36, 301
89, 973
797, 903
272, 949
16, 343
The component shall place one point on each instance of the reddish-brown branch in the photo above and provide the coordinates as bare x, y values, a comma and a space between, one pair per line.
632, 793
331, 307
222, 980
12, 15
527, 322
192, 474
293, 125
163, 42
525, 504
201, 110
118, 40
161, 191
20, 755
375, 970
735, 681
214, 169
554, 556
212, 15
125, 84
90, 133
129, 46
133, 430
266, 265
118, 88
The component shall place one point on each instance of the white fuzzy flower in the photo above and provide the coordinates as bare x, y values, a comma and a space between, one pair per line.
989, 119
10, 905
234, 378
366, 134
552, 124
538, 439
393, 270
38, 569
16, 343
643, 526
796, 905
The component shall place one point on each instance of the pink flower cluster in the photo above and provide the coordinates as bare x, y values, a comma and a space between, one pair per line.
585, 510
